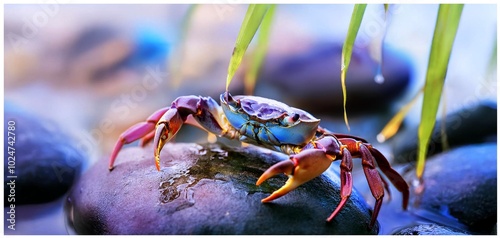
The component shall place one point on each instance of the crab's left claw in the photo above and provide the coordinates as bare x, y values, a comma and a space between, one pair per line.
302, 167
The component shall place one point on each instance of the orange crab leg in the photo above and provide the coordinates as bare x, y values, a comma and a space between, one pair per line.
300, 168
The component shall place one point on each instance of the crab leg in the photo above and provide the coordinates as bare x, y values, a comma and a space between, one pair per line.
386, 186
393, 176
162, 125
345, 182
147, 138
373, 178
136, 132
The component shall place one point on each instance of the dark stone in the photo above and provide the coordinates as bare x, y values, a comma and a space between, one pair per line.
206, 190
462, 183
46, 161
311, 80
429, 229
471, 125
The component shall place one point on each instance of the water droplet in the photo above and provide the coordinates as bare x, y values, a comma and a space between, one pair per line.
379, 78
380, 138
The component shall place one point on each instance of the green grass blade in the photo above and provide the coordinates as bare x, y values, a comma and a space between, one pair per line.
493, 59
356, 18
442, 42
260, 51
251, 22
178, 55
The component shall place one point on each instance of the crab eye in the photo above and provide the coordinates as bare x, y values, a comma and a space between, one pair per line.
290, 119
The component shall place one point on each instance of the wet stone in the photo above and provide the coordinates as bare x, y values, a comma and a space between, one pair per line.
471, 125
207, 189
462, 184
429, 229
46, 161
310, 80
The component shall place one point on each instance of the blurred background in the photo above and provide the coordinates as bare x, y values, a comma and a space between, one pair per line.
94, 70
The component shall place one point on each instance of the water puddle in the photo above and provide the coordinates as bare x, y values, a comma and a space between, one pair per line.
181, 182
214, 162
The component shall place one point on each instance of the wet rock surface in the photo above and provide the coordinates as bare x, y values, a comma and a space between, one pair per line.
46, 162
207, 189
461, 184
471, 125
429, 229
303, 77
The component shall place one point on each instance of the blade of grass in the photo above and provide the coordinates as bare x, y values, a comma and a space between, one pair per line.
356, 18
260, 51
251, 22
178, 56
393, 125
442, 42
493, 59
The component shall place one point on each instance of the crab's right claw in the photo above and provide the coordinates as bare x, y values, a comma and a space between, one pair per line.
166, 128
301, 168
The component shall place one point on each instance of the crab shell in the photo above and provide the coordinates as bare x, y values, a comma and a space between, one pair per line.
267, 122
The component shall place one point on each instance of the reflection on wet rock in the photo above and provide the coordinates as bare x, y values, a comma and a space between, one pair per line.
429, 229
207, 189
462, 184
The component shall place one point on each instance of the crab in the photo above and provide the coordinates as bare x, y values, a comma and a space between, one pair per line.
271, 124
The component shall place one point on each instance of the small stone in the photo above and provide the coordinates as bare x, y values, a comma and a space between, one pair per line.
429, 229
39, 157
311, 80
462, 183
471, 125
206, 189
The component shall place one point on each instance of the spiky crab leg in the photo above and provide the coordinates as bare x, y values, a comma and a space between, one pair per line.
316, 157
162, 125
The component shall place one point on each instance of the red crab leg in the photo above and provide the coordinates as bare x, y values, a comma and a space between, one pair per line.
374, 181
136, 132
345, 182
386, 186
393, 176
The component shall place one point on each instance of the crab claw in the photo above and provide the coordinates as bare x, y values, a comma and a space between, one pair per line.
166, 128
159, 141
301, 168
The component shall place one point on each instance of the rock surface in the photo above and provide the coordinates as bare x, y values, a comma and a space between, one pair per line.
46, 162
462, 183
429, 229
311, 80
206, 190
471, 125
